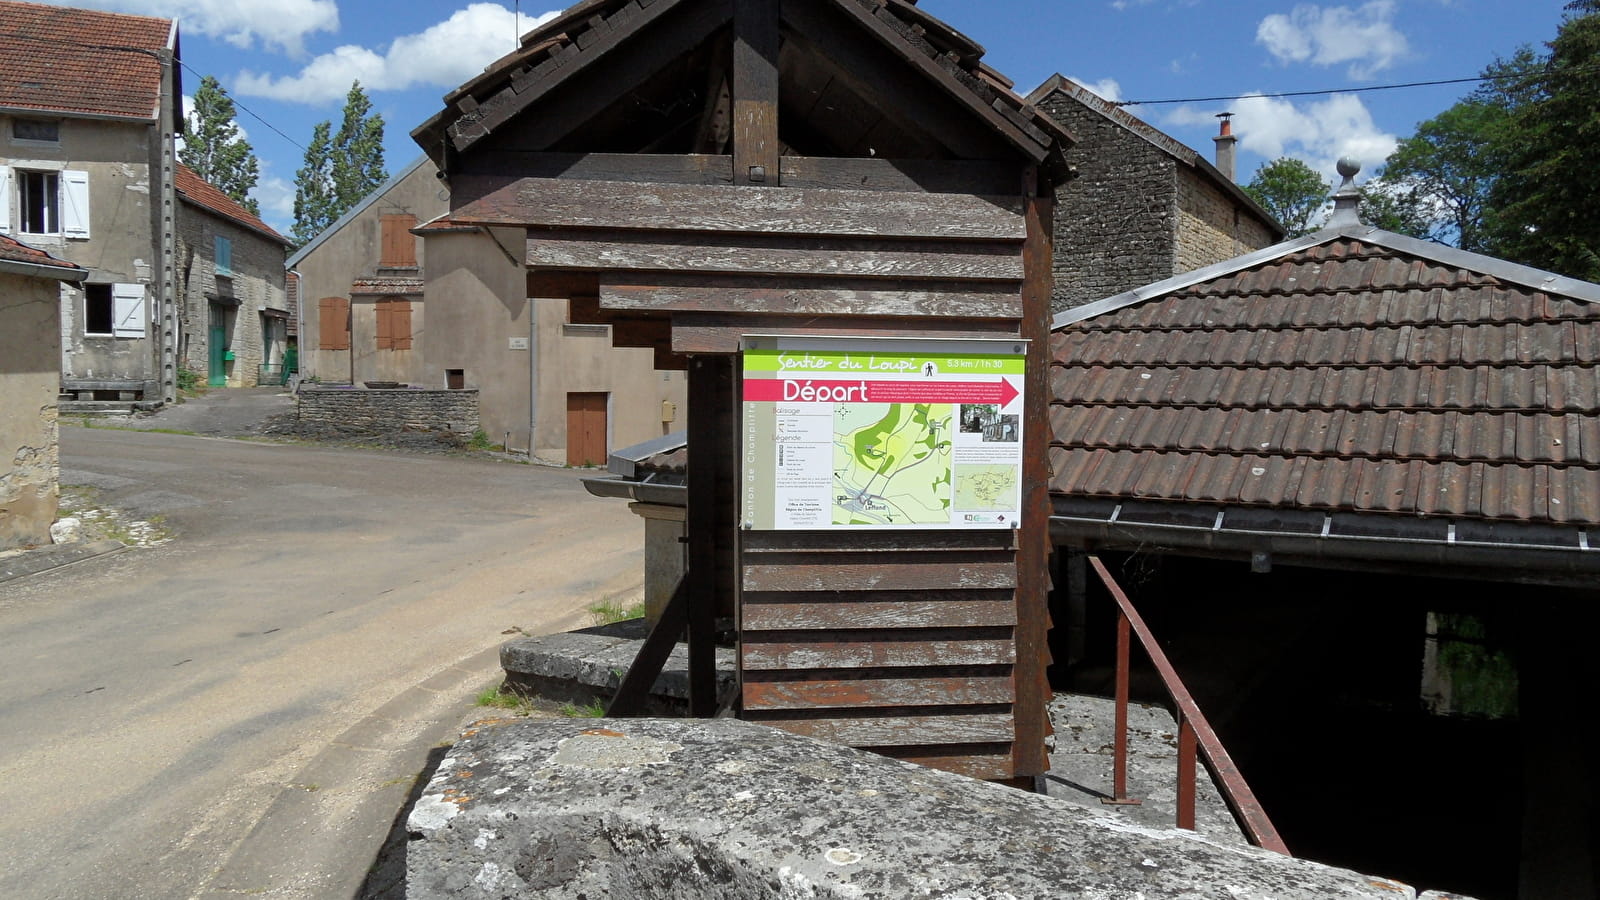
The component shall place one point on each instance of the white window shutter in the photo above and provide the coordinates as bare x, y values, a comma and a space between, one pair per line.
75, 204
5, 200
127, 310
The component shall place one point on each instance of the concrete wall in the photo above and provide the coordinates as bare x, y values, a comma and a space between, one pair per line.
1212, 225
29, 368
257, 283
478, 322
122, 246
353, 252
1117, 222
580, 359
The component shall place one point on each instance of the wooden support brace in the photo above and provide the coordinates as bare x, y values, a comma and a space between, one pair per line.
635, 688
756, 150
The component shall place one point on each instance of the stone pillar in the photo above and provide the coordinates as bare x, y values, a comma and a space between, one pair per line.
665, 554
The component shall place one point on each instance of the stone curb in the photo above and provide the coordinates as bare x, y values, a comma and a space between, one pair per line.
55, 556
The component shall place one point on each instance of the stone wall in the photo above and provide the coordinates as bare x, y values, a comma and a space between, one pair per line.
720, 808
1116, 223
1213, 226
385, 414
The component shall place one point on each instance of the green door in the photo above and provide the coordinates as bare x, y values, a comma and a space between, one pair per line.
218, 347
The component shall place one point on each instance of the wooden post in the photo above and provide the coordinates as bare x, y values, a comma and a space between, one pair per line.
713, 534
1033, 550
756, 151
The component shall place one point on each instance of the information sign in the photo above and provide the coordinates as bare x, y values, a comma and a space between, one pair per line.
897, 434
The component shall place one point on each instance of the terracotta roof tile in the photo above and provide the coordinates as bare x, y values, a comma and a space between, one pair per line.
59, 59
204, 194
14, 250
1346, 376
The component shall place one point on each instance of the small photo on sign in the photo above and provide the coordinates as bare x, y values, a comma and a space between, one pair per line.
987, 420
974, 415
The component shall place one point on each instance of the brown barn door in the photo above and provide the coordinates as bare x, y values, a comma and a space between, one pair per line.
586, 429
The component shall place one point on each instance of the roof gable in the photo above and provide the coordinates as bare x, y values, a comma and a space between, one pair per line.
646, 41
205, 195
64, 60
1353, 371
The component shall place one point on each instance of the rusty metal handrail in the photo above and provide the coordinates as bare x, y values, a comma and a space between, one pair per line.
1194, 732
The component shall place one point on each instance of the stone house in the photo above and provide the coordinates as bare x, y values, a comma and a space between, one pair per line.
234, 310
395, 292
88, 105
31, 283
1143, 206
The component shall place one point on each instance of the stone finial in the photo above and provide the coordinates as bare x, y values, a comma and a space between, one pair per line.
1347, 199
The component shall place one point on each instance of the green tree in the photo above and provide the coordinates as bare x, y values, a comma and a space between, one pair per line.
313, 188
1451, 166
340, 169
1544, 204
1291, 191
1400, 207
213, 147
357, 151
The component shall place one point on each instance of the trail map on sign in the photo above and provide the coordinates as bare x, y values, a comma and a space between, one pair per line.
881, 434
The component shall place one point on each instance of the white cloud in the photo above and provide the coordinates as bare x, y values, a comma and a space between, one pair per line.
1106, 88
1364, 37
1318, 133
274, 23
443, 55
275, 196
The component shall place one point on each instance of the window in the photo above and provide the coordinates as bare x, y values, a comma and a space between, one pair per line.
394, 324
114, 309
47, 202
36, 130
97, 309
38, 198
224, 256
333, 323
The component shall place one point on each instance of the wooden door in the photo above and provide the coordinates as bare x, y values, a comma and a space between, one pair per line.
586, 429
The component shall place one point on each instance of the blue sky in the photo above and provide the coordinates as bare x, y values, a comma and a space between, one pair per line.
291, 61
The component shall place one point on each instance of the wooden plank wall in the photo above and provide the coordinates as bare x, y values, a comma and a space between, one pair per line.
903, 643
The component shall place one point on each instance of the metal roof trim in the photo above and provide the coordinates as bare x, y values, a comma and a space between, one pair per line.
625, 462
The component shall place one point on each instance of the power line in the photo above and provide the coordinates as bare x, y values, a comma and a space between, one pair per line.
1507, 76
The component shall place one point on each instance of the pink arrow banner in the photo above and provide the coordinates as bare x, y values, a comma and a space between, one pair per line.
807, 390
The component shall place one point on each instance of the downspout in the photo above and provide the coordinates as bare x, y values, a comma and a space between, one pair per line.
533, 367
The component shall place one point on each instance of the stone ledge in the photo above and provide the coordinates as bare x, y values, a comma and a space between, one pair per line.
564, 809
584, 666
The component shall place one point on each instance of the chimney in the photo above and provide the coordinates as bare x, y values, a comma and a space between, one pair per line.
1347, 199
1225, 144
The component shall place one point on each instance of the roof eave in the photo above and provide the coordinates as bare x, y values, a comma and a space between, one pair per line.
38, 270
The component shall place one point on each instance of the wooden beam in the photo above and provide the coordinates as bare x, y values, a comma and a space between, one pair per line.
875, 577
635, 688
764, 256
486, 171
890, 731
870, 654
756, 149
559, 203
938, 176
724, 332
806, 296
878, 614
946, 82
876, 692
621, 73
1033, 550
713, 535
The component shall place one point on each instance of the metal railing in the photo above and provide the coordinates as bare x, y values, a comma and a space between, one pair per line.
1194, 732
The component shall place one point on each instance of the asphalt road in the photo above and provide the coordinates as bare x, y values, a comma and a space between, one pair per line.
219, 715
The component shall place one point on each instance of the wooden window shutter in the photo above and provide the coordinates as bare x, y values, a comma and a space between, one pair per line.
400, 324
333, 323
385, 310
399, 244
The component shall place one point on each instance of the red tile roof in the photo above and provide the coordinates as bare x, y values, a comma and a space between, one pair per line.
1361, 372
205, 195
58, 59
13, 250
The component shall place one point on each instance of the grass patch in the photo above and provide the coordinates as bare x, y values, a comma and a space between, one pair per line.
499, 698
612, 610
479, 441
592, 710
